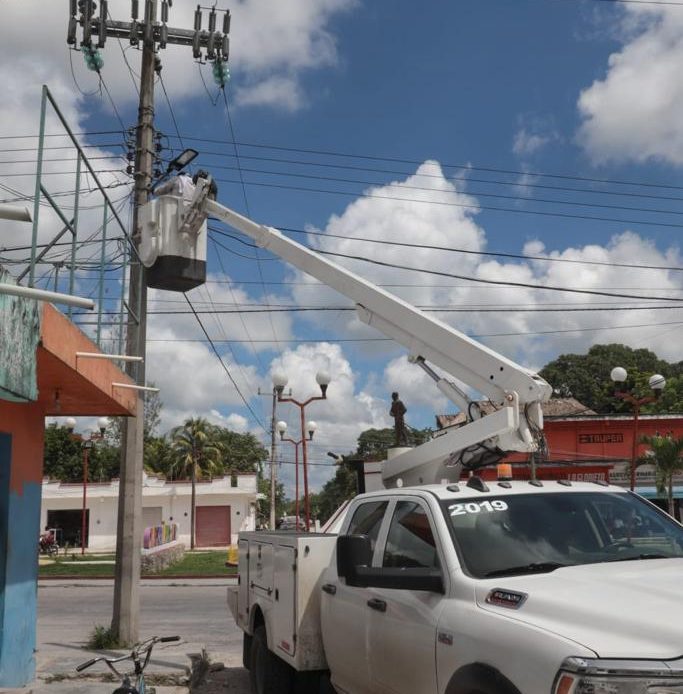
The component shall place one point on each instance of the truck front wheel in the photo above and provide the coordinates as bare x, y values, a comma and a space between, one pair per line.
268, 673
480, 679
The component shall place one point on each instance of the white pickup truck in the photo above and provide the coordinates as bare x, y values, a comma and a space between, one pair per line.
469, 588
435, 585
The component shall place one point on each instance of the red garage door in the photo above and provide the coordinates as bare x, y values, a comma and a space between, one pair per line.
213, 526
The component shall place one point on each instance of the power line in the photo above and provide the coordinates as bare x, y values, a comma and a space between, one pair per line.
111, 99
414, 174
523, 285
417, 162
492, 208
399, 186
225, 368
474, 193
518, 256
527, 333
246, 205
427, 309
87, 133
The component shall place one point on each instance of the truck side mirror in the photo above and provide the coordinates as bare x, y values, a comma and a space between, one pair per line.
352, 551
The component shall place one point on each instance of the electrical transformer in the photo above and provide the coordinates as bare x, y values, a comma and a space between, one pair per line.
172, 249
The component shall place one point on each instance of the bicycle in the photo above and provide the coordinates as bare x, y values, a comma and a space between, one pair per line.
140, 656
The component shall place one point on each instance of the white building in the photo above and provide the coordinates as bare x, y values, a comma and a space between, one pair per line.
224, 507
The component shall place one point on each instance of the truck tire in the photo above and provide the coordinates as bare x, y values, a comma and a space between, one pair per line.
268, 673
313, 682
480, 679
246, 651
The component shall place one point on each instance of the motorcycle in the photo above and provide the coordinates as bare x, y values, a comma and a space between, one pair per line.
47, 545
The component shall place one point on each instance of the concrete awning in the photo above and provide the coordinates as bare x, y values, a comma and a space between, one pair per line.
69, 385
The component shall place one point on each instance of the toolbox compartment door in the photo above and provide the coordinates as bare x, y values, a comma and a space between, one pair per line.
261, 577
243, 604
284, 601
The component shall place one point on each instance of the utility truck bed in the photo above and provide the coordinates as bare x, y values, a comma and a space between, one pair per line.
280, 580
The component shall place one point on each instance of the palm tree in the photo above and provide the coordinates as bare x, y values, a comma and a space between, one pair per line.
667, 457
196, 454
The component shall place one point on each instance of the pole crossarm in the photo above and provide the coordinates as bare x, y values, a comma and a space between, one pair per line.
177, 36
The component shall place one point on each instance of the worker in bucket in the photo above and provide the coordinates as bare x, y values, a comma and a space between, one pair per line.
213, 188
180, 185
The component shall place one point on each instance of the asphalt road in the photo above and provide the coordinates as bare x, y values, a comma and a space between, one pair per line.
197, 611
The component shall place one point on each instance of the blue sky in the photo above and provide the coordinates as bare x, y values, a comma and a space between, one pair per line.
445, 110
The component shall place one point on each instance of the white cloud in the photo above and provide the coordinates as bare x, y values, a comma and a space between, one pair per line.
526, 143
283, 92
234, 422
531, 332
633, 113
399, 212
413, 385
348, 410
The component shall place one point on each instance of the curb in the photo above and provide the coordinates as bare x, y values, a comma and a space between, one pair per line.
154, 577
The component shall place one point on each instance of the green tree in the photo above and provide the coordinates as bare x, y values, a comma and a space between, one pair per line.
63, 457
667, 456
240, 452
373, 444
263, 504
160, 456
152, 412
343, 486
587, 377
198, 454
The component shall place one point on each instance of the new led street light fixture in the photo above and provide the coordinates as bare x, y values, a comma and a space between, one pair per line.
182, 160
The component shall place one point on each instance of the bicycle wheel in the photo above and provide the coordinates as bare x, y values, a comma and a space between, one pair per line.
126, 689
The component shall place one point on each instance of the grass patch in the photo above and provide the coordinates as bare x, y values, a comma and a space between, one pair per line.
102, 639
75, 568
197, 564
201, 564
72, 557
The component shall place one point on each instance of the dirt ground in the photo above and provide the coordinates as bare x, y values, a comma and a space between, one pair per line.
230, 679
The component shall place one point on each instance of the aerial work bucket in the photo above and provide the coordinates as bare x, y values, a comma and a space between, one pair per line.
171, 250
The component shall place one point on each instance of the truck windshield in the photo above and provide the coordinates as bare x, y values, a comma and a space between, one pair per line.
531, 533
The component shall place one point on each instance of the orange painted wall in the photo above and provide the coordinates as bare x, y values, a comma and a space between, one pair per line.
603, 439
26, 424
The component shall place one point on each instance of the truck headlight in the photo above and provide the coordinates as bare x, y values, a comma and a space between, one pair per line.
606, 676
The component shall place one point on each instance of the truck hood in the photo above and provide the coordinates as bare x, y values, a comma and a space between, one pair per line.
630, 609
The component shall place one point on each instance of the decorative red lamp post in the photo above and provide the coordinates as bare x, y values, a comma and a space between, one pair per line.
86, 445
311, 428
280, 381
656, 383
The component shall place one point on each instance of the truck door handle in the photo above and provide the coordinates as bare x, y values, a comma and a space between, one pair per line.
330, 588
378, 605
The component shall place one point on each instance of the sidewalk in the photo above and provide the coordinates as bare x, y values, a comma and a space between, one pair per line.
60, 649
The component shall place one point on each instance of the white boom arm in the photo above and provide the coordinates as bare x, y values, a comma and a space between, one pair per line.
518, 392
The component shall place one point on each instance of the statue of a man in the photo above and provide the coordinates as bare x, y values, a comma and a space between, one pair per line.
398, 409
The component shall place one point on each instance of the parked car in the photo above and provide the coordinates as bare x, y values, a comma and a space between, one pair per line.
290, 523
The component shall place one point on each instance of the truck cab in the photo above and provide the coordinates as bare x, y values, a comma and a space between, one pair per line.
521, 587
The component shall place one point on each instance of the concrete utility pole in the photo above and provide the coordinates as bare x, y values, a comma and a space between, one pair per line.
125, 617
272, 463
273, 446
153, 35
